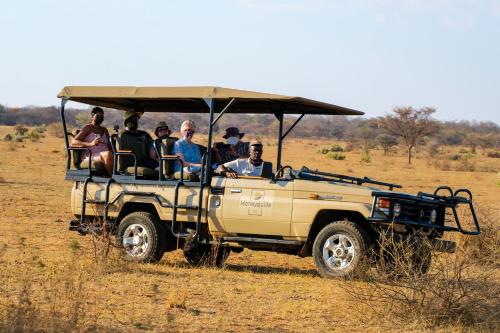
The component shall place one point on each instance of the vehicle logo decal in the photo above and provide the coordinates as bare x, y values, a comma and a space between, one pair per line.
256, 203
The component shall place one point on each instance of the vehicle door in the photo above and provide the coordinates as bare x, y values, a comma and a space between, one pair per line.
258, 206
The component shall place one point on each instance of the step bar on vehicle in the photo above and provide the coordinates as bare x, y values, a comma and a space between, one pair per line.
238, 239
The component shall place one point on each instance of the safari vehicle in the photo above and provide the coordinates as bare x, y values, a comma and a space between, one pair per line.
334, 218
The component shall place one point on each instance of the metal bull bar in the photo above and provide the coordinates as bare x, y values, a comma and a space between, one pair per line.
450, 201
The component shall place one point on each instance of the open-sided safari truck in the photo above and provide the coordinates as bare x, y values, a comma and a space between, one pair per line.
335, 218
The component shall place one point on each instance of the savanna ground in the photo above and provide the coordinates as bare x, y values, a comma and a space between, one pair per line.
51, 281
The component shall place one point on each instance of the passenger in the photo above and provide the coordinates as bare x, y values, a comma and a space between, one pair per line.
131, 122
188, 152
96, 138
251, 166
234, 148
162, 132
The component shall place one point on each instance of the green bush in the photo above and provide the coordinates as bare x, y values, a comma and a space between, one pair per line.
335, 156
323, 151
19, 138
40, 129
20, 130
365, 156
34, 136
336, 148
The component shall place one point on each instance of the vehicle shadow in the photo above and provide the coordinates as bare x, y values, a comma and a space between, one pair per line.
270, 270
257, 269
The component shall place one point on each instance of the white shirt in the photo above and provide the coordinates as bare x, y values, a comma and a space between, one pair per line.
243, 167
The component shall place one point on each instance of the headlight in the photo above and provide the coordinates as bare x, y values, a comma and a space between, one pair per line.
433, 216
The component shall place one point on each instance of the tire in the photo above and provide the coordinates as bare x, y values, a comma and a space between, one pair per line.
199, 254
141, 237
339, 250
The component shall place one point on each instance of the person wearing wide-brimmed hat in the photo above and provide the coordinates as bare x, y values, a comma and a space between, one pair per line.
234, 148
162, 132
131, 122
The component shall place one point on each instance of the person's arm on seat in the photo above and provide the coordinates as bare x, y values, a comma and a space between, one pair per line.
225, 171
78, 139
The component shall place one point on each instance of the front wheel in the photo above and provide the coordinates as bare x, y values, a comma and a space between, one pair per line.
141, 237
339, 249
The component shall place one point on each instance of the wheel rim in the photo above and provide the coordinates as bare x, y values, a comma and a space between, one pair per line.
135, 240
339, 252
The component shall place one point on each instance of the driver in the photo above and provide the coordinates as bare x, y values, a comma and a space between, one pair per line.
251, 166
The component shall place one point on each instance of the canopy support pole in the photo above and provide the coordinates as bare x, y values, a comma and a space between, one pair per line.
280, 140
223, 111
65, 129
293, 125
208, 168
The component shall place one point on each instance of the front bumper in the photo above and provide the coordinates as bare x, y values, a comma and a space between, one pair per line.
421, 204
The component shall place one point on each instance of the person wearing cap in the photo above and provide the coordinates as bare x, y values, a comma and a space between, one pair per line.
131, 122
251, 166
96, 138
233, 149
161, 132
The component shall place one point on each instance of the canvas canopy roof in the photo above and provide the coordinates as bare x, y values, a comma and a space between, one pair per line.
191, 100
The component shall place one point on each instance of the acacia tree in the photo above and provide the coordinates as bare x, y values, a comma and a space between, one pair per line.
387, 142
410, 124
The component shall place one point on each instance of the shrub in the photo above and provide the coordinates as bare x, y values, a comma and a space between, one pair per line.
454, 157
20, 130
335, 156
365, 156
7, 137
466, 165
41, 129
19, 138
349, 147
56, 129
336, 148
485, 247
34, 136
433, 150
493, 154
323, 151
453, 292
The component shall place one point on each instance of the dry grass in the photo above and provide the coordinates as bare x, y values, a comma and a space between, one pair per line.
51, 282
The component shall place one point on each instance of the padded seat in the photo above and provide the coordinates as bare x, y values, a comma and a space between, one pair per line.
142, 172
139, 146
165, 148
96, 166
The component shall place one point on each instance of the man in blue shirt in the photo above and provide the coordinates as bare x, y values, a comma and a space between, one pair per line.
188, 151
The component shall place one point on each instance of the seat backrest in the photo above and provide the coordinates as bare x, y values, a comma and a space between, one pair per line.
166, 147
76, 154
267, 170
136, 144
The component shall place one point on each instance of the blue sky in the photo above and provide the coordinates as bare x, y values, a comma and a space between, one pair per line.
367, 55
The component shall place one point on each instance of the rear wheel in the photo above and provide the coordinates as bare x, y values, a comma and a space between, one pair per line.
339, 249
199, 254
141, 237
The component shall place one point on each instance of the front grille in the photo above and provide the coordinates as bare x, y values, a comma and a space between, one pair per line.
412, 211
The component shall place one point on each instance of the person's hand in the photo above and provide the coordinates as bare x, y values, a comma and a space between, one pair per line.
231, 174
95, 142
